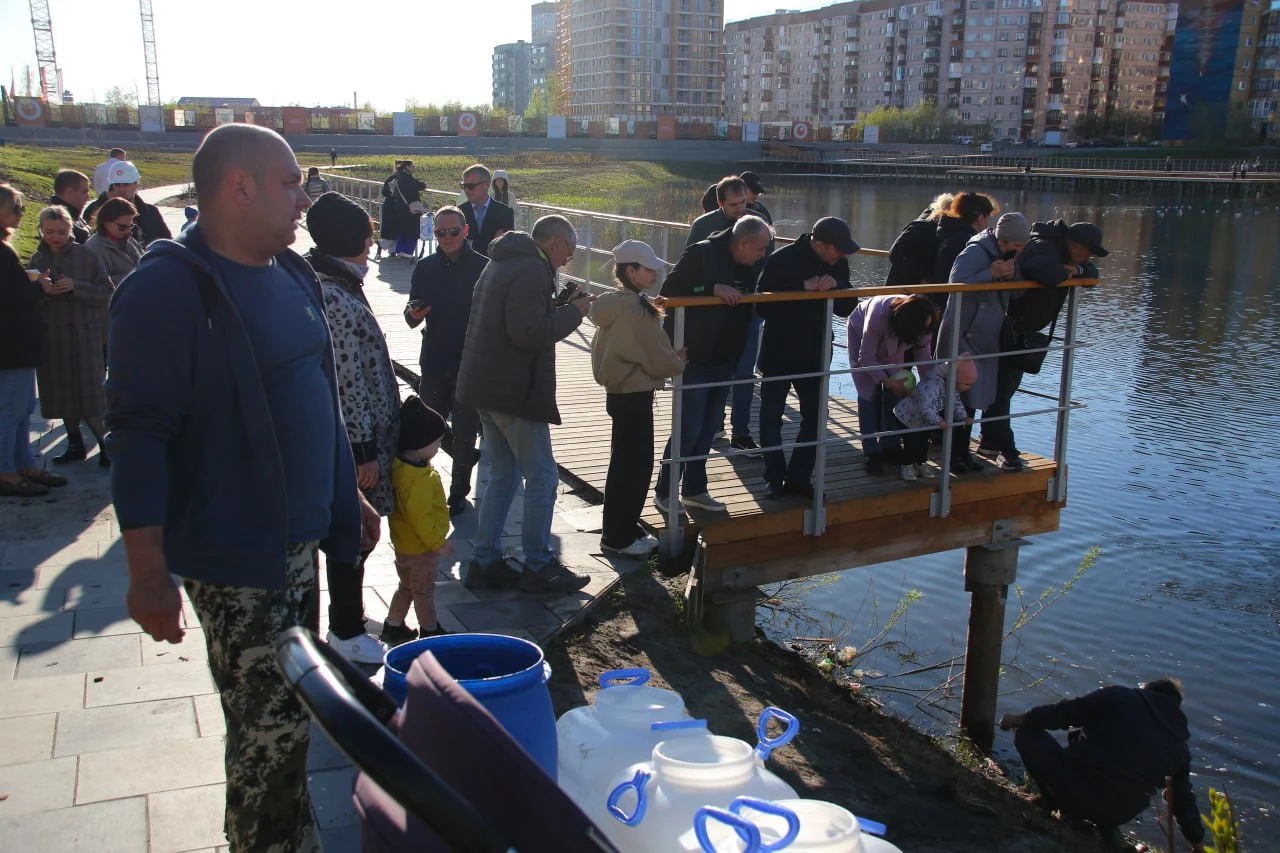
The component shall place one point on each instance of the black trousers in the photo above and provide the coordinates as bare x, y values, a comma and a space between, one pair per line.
1073, 787
346, 596
630, 466
437, 391
773, 403
999, 435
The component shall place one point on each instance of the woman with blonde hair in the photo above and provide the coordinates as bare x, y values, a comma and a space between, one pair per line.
631, 356
73, 363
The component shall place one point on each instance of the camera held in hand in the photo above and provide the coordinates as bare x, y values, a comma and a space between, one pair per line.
571, 291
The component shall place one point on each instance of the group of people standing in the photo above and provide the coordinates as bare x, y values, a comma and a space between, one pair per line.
406, 219
53, 325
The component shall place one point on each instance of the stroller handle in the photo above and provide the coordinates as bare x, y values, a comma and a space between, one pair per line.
352, 711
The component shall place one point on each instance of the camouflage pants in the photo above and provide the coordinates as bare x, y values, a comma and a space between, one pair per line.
268, 808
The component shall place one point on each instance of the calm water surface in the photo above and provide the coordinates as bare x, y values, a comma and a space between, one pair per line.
1174, 473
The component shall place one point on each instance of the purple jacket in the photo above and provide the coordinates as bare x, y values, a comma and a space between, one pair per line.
871, 343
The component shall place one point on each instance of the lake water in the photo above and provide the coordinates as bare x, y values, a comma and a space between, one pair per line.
1174, 473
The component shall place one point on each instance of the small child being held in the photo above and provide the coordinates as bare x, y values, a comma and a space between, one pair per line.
419, 523
926, 406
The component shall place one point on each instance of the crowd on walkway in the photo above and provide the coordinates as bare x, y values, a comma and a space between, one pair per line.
296, 440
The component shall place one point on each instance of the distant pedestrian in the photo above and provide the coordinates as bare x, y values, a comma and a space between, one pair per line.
419, 524
508, 375
191, 214
1244, 169
72, 366
500, 189
1168, 163
401, 209
1235, 170
631, 357
102, 170
487, 218
333, 156
315, 186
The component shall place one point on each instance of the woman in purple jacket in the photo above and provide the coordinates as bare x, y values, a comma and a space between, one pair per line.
882, 330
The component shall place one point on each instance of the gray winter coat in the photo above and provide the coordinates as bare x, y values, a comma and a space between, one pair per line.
509, 357
981, 315
117, 260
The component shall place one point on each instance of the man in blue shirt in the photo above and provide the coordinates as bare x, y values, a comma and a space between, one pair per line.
233, 465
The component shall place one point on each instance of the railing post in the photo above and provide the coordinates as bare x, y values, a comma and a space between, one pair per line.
940, 501
1058, 485
815, 519
588, 275
675, 535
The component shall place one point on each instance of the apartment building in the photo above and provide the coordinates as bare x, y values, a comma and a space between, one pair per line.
1265, 91
512, 64
1019, 66
635, 60
543, 18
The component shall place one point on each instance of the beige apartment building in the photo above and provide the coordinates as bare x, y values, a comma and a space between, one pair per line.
1022, 67
635, 60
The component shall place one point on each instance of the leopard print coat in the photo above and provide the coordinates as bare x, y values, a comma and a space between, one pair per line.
367, 386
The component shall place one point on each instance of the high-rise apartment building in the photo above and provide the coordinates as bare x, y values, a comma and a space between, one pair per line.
1263, 106
543, 20
1019, 66
640, 59
512, 65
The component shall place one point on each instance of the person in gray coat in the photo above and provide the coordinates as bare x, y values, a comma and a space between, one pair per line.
508, 376
991, 255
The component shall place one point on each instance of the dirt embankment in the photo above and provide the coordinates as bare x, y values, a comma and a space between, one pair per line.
847, 751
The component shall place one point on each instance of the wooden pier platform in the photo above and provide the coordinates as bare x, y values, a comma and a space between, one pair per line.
869, 519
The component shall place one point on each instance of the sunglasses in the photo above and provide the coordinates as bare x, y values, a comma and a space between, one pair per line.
18, 208
448, 232
470, 186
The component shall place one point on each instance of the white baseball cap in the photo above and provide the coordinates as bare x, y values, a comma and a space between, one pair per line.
637, 252
123, 172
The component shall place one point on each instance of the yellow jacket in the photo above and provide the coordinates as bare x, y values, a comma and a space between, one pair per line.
630, 352
420, 521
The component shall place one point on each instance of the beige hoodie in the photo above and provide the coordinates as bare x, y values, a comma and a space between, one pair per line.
630, 352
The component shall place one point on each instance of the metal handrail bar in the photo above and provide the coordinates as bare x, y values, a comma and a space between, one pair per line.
872, 290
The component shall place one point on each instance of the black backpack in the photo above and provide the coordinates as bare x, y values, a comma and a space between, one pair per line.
913, 253
1037, 308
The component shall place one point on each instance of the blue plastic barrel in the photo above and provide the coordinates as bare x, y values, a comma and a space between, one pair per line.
507, 675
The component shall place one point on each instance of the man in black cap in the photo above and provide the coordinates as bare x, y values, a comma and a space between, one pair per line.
755, 189
1125, 742
795, 340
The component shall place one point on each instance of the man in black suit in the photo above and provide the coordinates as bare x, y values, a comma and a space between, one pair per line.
487, 218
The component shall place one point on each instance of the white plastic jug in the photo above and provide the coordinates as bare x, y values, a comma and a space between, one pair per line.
627, 720
794, 826
655, 803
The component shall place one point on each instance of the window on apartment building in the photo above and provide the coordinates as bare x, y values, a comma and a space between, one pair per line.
986, 37
1003, 51
1004, 37
966, 116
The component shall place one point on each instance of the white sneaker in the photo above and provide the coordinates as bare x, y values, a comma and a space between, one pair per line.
704, 501
923, 471
363, 649
909, 473
642, 547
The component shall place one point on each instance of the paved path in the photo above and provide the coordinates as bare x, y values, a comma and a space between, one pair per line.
112, 742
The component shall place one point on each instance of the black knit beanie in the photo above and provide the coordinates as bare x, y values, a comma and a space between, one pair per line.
338, 225
419, 425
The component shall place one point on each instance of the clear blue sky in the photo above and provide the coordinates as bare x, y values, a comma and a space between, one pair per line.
287, 51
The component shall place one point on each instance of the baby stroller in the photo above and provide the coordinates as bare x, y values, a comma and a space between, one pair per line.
442, 776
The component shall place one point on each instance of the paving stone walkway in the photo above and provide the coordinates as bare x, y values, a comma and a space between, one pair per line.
110, 741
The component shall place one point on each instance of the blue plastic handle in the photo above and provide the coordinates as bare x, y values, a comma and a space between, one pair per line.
636, 782
767, 807
632, 677
767, 744
746, 830
676, 725
871, 827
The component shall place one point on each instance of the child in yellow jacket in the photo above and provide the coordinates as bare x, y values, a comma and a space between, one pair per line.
419, 523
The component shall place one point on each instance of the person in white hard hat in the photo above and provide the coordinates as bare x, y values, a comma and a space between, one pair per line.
122, 182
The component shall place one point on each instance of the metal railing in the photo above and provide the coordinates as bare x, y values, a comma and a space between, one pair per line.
940, 501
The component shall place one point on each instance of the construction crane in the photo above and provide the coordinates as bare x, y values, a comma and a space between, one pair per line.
46, 59
149, 53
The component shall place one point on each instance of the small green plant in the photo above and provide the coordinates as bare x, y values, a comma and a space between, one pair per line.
1222, 824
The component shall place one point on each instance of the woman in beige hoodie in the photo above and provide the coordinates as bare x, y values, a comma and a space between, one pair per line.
631, 356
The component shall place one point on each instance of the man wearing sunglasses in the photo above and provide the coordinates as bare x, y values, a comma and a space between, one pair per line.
487, 218
440, 294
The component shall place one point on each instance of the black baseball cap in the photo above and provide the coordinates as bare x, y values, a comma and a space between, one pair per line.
1088, 235
752, 180
835, 232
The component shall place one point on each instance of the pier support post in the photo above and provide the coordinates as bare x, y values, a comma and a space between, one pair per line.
988, 571
734, 612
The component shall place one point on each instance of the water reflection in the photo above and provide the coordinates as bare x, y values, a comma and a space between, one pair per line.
1173, 472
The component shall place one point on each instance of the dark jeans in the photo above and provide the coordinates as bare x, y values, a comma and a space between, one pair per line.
773, 402
437, 391
740, 395
875, 414
999, 435
701, 415
1073, 787
630, 466
346, 596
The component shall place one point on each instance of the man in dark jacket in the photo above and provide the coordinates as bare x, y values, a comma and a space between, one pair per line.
231, 463
71, 190
1126, 742
725, 265
149, 225
1055, 253
731, 197
487, 218
441, 293
508, 375
795, 340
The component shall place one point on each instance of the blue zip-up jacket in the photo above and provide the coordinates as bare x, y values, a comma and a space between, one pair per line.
192, 444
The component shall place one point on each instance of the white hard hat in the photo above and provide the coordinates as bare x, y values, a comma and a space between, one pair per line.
123, 172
